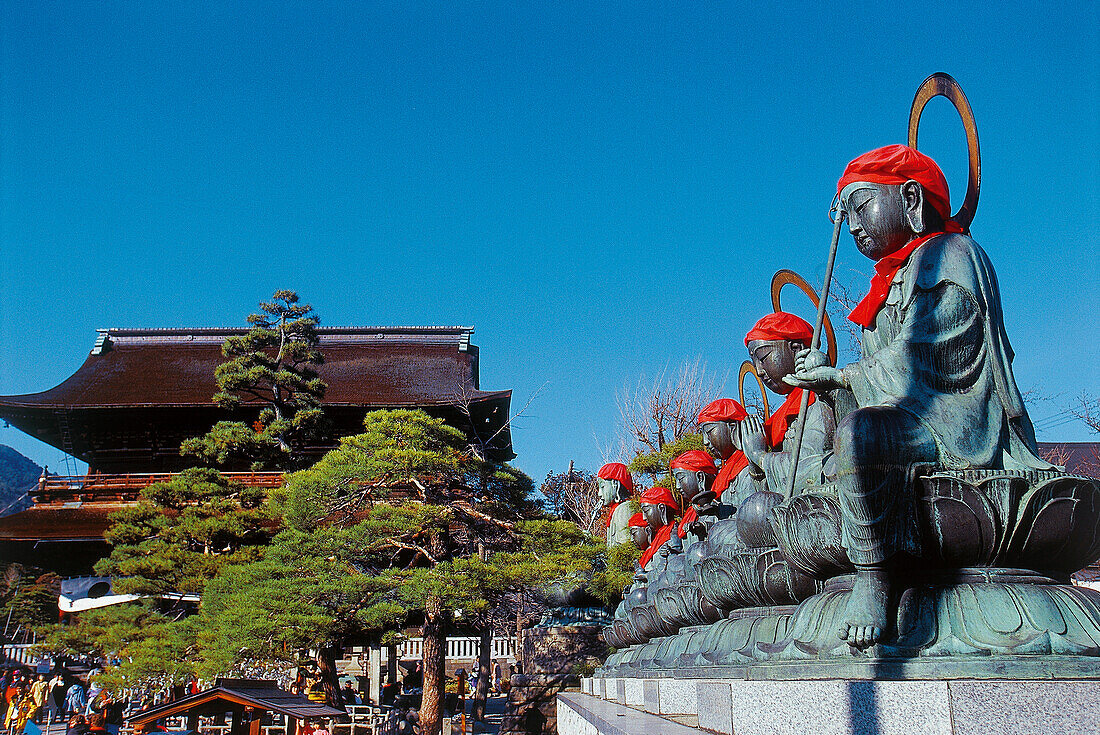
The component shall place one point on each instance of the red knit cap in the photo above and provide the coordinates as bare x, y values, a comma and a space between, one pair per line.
638, 521
781, 325
896, 164
724, 409
695, 460
660, 496
617, 471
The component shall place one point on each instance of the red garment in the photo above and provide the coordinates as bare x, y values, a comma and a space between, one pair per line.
893, 165
777, 424
664, 533
610, 513
724, 409
694, 460
617, 471
885, 269
690, 517
637, 521
781, 325
896, 164
731, 468
658, 495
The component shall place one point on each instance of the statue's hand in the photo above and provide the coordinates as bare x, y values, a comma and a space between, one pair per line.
813, 371
753, 442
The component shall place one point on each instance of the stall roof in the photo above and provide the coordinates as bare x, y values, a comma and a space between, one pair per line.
229, 694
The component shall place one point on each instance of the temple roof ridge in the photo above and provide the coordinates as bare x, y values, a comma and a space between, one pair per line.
335, 329
140, 392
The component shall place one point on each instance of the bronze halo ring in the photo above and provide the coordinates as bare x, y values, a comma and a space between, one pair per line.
943, 85
784, 277
747, 368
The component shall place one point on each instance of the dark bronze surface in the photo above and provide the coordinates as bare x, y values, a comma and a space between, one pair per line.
786, 277
747, 368
928, 539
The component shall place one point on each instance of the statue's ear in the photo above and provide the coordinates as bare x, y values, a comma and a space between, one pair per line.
912, 202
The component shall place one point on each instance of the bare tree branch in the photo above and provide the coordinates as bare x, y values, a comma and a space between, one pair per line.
664, 410
1088, 410
464, 400
842, 299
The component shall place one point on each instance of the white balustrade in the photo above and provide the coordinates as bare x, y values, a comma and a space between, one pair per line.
464, 648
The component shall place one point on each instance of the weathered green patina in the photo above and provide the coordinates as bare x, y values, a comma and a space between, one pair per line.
925, 537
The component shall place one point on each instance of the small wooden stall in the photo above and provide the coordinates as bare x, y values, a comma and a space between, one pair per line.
246, 701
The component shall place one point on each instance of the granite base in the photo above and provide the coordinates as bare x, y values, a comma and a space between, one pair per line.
852, 707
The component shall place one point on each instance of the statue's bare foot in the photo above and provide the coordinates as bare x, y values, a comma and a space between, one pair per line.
866, 618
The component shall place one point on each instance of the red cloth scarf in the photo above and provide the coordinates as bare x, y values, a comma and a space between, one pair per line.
659, 540
607, 523
777, 424
885, 269
690, 517
896, 164
731, 468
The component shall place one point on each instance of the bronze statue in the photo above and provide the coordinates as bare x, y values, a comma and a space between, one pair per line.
935, 383
694, 472
640, 534
719, 423
615, 487
659, 508
922, 536
773, 343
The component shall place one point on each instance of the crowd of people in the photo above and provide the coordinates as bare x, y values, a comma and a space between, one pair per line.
41, 698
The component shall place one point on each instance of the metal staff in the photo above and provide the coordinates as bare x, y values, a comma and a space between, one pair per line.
814, 344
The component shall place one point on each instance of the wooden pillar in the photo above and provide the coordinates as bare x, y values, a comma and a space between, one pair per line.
236, 722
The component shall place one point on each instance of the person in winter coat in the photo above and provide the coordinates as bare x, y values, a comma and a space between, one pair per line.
75, 702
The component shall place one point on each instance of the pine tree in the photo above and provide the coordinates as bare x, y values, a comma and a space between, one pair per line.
270, 367
176, 538
28, 599
399, 524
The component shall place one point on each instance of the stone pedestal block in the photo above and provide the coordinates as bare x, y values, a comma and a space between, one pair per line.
573, 650
852, 707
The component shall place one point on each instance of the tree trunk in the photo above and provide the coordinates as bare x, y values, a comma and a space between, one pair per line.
484, 672
434, 657
326, 664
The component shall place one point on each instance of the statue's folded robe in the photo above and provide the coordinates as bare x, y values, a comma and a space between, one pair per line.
938, 350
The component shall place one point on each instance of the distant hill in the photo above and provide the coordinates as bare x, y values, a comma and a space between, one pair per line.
17, 475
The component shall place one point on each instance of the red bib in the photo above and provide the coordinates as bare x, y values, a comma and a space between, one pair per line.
885, 269
611, 512
777, 424
690, 517
731, 468
659, 540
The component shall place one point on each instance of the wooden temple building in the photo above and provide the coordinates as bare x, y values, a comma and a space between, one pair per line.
141, 392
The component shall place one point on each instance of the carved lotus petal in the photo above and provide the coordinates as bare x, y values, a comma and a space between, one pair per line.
807, 528
1046, 521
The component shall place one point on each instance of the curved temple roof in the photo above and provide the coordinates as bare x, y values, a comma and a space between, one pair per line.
141, 391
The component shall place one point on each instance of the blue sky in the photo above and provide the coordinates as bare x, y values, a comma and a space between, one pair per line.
602, 190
